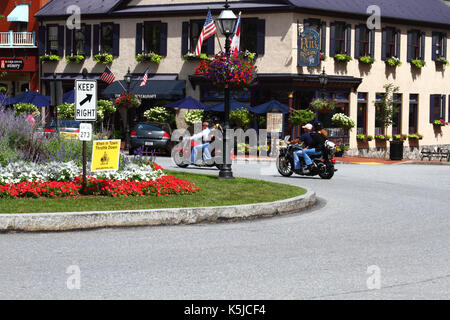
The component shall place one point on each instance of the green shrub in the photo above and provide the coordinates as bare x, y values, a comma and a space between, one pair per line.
241, 118
194, 116
301, 117
26, 109
158, 114
105, 58
66, 111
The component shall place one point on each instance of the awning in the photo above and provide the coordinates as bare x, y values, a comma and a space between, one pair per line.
20, 13
154, 89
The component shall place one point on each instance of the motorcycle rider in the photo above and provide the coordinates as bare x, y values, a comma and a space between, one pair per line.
316, 147
306, 139
205, 135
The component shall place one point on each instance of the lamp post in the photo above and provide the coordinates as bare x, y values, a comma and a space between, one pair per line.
226, 22
323, 79
127, 121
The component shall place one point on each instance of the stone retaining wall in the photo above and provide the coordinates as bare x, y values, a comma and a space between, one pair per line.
409, 152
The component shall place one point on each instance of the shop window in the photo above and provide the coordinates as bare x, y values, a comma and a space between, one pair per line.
413, 113
361, 122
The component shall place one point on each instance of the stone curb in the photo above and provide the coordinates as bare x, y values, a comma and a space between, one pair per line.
133, 218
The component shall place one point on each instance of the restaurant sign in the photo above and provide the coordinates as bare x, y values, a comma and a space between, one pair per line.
11, 64
309, 48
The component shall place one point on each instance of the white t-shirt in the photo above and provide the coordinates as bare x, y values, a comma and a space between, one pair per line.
202, 135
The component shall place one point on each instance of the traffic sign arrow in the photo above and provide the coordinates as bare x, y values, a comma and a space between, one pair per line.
88, 98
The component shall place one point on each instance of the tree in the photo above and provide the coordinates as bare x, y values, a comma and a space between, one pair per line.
387, 107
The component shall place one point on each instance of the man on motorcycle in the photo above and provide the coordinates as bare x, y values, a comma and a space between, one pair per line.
205, 135
316, 147
307, 141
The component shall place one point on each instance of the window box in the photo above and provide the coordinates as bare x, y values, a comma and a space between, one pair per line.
366, 60
442, 61
50, 58
439, 123
342, 57
415, 136
418, 63
393, 62
75, 59
149, 57
105, 58
190, 57
382, 137
399, 137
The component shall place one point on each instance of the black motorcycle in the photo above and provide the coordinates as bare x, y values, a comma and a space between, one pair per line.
323, 164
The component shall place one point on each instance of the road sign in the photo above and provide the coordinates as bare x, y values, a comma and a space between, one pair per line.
85, 132
105, 155
86, 100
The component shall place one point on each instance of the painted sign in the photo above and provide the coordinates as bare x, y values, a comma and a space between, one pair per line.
309, 49
105, 155
11, 64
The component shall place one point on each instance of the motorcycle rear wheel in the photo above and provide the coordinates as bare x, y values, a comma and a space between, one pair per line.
284, 166
328, 174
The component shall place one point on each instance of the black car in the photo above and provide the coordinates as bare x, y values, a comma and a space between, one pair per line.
151, 136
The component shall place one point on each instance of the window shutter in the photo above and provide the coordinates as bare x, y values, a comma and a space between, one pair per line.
261, 37
348, 38
139, 27
87, 40
332, 40
372, 43
68, 42
96, 40
383, 44
398, 41
358, 29
184, 38
410, 48
116, 39
434, 42
210, 45
163, 39
323, 38
61, 41
422, 45
42, 40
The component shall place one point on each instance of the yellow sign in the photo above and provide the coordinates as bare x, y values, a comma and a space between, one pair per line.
69, 135
105, 155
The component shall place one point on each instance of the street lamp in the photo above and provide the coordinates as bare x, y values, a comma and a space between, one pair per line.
323, 79
226, 22
128, 81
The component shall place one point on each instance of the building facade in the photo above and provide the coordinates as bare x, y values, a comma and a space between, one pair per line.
19, 61
271, 30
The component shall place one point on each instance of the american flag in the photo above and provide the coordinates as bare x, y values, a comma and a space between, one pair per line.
144, 79
108, 76
236, 38
209, 29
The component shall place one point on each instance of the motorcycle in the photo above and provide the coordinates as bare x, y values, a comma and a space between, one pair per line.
323, 164
183, 154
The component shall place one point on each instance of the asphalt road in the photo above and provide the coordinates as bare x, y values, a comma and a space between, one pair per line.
378, 232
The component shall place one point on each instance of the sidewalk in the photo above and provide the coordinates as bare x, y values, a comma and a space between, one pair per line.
378, 161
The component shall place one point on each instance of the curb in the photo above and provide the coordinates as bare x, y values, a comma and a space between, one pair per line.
69, 221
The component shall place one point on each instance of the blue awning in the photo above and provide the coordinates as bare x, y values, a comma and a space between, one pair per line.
20, 13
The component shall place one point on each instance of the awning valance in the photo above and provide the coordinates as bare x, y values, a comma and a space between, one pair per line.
154, 89
19, 14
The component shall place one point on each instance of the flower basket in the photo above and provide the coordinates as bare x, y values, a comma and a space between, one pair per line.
128, 101
366, 60
442, 62
381, 137
227, 72
439, 123
419, 64
393, 62
323, 105
369, 138
323, 57
342, 58
342, 121
415, 136
149, 57
50, 58
75, 59
399, 137
105, 58
361, 137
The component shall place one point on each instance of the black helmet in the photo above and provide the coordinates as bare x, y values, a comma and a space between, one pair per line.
215, 119
318, 125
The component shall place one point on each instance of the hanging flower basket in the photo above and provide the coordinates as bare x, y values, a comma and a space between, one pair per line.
228, 72
323, 105
128, 101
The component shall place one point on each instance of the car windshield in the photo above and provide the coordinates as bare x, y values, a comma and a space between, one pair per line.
153, 127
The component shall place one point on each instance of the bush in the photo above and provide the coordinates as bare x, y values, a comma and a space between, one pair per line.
241, 118
26, 109
66, 111
301, 117
158, 114
104, 107
194, 116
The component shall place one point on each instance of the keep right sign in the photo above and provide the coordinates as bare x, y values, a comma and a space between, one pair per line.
86, 100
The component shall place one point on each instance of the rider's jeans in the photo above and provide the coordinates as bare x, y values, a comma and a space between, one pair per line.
297, 154
309, 152
202, 147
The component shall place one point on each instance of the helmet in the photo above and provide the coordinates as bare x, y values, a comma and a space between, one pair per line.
318, 125
215, 119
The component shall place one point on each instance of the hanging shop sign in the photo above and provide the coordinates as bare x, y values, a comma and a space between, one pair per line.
309, 48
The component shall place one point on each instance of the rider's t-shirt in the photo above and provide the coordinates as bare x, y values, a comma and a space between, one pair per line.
306, 139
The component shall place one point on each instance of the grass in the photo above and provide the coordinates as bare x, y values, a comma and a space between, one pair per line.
214, 192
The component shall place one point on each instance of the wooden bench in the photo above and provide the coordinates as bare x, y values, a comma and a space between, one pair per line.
439, 153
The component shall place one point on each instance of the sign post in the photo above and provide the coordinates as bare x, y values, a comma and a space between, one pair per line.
85, 110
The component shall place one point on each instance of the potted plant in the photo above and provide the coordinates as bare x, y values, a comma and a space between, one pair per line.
442, 61
415, 136
418, 63
75, 59
323, 105
241, 118
361, 137
149, 57
50, 58
342, 57
127, 101
250, 56
342, 121
393, 62
366, 60
301, 117
340, 150
105, 58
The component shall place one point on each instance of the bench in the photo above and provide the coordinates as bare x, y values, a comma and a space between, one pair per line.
439, 153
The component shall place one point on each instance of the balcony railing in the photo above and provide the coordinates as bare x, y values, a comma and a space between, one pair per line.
17, 39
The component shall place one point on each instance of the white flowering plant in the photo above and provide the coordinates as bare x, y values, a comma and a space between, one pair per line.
342, 121
158, 114
194, 116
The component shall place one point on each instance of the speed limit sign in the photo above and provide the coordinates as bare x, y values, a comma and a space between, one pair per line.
85, 132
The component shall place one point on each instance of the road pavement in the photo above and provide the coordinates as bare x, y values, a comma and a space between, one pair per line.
378, 232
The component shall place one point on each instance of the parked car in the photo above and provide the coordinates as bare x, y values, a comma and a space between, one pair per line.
67, 128
151, 136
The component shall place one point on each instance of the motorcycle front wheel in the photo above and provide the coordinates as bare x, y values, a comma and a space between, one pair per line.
284, 166
328, 173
